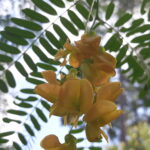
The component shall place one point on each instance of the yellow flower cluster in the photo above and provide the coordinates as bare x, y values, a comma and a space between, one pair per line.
93, 95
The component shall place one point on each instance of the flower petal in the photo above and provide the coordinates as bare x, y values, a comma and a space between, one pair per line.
48, 91
50, 76
109, 91
99, 109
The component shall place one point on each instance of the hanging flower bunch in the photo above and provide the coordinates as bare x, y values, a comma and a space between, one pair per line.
91, 94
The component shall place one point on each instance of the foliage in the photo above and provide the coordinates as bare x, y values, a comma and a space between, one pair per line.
37, 33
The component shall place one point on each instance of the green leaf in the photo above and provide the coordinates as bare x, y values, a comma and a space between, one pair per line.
8, 120
14, 38
35, 122
76, 20
45, 105
29, 129
23, 105
142, 29
46, 66
121, 54
148, 15
28, 99
75, 131
68, 25
9, 49
17, 112
28, 91
35, 15
83, 11
144, 3
145, 53
134, 25
36, 74
59, 3
30, 62
3, 134
114, 43
1, 67
47, 46
10, 79
2, 141
3, 86
121, 21
41, 114
4, 58
54, 62
27, 24
34, 81
80, 140
53, 40
95, 148
21, 69
22, 139
45, 7
110, 10
141, 38
17, 146
20, 32
60, 33
40, 54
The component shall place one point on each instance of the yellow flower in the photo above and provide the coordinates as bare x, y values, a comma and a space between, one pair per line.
75, 98
51, 142
97, 73
101, 113
110, 91
50, 90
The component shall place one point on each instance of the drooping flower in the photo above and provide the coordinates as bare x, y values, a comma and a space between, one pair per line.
50, 90
51, 142
75, 98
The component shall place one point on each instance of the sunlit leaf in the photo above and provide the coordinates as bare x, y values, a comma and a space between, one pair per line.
35, 15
